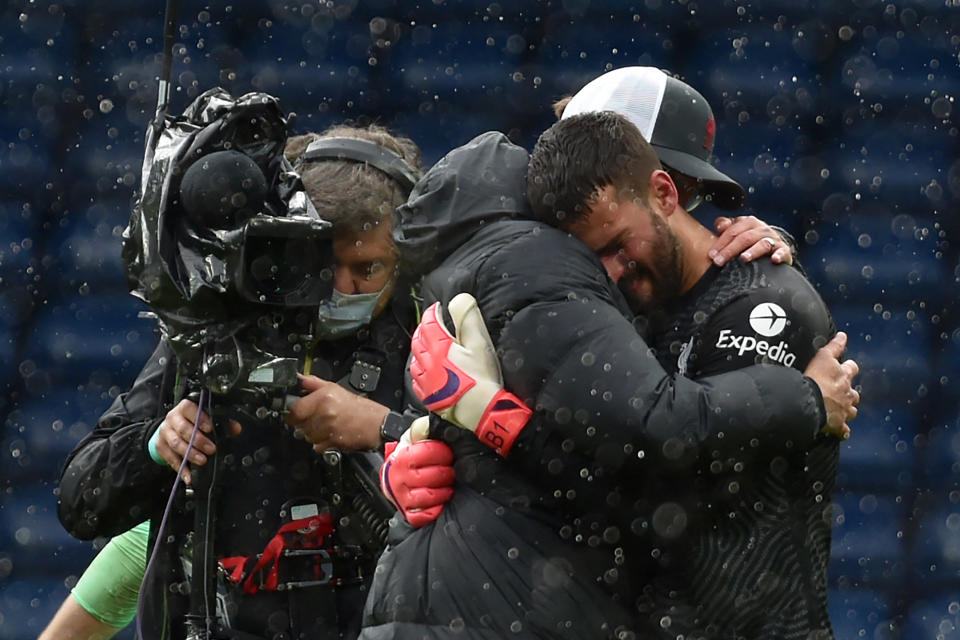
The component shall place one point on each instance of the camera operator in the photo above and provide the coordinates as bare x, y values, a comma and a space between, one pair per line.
292, 563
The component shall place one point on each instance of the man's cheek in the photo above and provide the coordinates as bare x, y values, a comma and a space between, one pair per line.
614, 266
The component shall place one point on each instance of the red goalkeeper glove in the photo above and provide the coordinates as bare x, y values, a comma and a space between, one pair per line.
458, 376
417, 474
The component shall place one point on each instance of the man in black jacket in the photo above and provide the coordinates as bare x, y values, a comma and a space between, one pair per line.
547, 542
746, 550
293, 540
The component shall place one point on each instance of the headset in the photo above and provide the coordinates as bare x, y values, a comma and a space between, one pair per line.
361, 150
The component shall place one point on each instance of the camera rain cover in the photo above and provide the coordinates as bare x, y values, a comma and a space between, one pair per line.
222, 232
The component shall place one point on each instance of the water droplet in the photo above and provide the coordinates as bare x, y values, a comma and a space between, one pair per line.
933, 191
942, 107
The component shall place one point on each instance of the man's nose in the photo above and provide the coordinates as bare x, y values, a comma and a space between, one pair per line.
343, 280
615, 266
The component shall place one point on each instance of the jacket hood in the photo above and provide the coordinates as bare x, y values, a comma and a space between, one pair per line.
473, 185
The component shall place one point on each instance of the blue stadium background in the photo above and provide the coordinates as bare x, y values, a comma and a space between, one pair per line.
839, 115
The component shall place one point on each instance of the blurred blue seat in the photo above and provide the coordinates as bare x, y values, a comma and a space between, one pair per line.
37, 44
947, 358
452, 64
296, 38
24, 166
894, 350
897, 71
757, 71
892, 260
935, 617
17, 239
332, 87
579, 49
27, 605
30, 116
40, 543
122, 37
87, 259
906, 163
9, 345
939, 450
779, 167
84, 336
41, 28
867, 545
880, 455
885, 327
937, 545
714, 16
16, 305
111, 158
42, 429
859, 613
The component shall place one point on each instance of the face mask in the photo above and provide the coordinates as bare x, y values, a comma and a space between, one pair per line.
344, 313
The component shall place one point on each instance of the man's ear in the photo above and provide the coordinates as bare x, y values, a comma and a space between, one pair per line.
663, 193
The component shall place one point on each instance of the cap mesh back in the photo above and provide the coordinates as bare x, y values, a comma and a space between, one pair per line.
634, 92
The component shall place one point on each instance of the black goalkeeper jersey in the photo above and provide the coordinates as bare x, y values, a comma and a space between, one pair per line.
758, 540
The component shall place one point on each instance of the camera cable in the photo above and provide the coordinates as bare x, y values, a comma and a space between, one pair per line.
166, 513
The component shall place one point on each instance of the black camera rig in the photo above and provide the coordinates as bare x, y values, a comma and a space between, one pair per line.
232, 258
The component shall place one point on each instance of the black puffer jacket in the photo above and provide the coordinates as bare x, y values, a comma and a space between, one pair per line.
549, 542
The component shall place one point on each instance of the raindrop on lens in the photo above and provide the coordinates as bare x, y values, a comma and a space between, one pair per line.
933, 191
941, 107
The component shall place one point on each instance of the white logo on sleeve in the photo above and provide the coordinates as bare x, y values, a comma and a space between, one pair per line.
768, 319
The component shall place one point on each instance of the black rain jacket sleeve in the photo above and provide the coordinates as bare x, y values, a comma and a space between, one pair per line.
569, 352
109, 483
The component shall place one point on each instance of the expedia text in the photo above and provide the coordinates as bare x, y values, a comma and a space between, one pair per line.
747, 344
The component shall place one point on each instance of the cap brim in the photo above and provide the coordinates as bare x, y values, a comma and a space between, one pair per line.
724, 191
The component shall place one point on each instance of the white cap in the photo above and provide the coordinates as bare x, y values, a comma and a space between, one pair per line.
671, 115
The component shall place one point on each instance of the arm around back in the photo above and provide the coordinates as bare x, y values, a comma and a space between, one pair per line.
570, 351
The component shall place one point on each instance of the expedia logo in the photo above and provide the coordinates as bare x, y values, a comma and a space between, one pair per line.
769, 320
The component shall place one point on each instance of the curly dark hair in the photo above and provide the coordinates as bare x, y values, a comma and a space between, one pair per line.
577, 157
349, 194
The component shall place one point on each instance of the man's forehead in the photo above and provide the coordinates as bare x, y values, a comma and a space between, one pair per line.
366, 241
610, 203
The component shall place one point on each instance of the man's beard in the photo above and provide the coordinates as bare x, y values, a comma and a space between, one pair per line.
663, 272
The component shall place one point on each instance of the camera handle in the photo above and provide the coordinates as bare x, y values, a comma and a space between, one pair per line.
201, 621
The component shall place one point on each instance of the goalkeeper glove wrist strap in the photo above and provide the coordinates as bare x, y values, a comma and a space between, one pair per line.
502, 421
